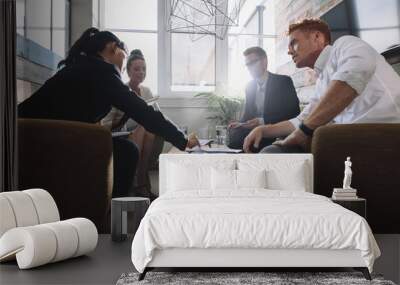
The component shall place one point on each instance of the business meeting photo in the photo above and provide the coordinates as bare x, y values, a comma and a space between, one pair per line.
200, 142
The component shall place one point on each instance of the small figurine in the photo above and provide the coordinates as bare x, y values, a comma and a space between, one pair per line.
347, 174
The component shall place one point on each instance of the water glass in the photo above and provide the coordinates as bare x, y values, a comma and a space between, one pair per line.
220, 132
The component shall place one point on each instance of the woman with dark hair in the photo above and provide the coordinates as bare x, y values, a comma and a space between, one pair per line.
86, 88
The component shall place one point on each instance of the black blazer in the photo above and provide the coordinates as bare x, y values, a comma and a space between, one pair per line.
280, 104
86, 91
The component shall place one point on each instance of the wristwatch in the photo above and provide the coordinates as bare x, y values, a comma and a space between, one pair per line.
306, 130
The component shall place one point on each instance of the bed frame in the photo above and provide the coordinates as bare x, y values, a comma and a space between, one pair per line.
243, 259
250, 258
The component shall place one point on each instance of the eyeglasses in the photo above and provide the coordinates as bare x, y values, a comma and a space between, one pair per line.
252, 63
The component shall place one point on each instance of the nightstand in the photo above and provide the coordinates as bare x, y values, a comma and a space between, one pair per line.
357, 205
119, 208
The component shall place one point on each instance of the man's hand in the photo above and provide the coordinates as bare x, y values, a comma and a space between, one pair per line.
297, 137
192, 141
234, 125
251, 124
253, 139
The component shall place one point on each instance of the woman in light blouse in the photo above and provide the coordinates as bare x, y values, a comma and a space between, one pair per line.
116, 120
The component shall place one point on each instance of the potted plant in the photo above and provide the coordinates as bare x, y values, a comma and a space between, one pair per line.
223, 109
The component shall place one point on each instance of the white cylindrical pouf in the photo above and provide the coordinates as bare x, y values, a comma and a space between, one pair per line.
45, 205
67, 240
31, 232
23, 208
87, 234
7, 218
34, 246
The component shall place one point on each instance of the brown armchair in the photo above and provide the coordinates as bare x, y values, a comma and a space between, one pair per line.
72, 161
375, 153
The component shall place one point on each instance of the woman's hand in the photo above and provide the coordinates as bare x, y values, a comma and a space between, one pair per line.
192, 141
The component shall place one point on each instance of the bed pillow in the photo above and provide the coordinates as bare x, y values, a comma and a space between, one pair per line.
222, 179
184, 176
280, 175
292, 178
251, 178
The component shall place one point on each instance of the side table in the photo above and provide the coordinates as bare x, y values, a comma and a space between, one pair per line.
119, 208
357, 205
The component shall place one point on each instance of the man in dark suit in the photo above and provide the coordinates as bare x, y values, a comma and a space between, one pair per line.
270, 98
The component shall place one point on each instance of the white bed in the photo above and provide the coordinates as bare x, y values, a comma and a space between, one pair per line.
220, 211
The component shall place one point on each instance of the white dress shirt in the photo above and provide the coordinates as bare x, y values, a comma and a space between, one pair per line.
355, 62
260, 97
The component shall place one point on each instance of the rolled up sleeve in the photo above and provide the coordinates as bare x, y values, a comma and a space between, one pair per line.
295, 122
356, 63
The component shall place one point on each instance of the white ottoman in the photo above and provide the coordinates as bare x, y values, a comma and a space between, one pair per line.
31, 230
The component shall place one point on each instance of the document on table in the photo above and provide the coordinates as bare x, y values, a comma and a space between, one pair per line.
214, 149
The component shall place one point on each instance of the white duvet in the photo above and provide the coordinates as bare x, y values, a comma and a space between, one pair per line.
250, 219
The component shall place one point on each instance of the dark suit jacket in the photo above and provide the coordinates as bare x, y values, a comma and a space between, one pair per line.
280, 104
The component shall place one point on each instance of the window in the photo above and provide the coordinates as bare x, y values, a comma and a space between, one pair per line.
257, 28
20, 13
42, 41
252, 26
96, 13
131, 14
60, 15
238, 76
182, 64
382, 33
38, 22
135, 23
45, 22
269, 47
192, 62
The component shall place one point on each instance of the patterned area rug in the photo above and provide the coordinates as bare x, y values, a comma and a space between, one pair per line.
243, 278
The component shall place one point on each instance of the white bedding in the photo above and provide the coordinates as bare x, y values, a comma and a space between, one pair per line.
250, 219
